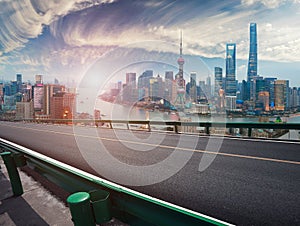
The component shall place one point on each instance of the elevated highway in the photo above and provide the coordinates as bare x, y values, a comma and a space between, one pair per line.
248, 182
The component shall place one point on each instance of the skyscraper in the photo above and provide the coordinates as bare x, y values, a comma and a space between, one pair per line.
218, 80
144, 79
193, 87
252, 63
19, 82
257, 85
38, 79
270, 87
169, 75
244, 91
263, 99
131, 80
19, 78
144, 84
130, 92
38, 97
208, 88
294, 98
230, 83
281, 95
49, 91
156, 87
169, 79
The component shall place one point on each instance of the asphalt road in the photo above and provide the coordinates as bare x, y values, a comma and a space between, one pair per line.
244, 182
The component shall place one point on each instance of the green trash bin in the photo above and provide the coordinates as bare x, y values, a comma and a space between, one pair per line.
101, 206
81, 210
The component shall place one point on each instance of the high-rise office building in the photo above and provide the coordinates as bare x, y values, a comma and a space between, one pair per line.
38, 79
119, 85
208, 87
24, 110
144, 79
57, 106
155, 87
218, 80
281, 95
244, 91
230, 103
201, 92
63, 105
257, 85
169, 75
230, 82
144, 84
7, 90
56, 82
169, 79
294, 97
38, 98
69, 105
193, 87
19, 82
19, 78
131, 79
252, 63
130, 92
270, 87
49, 91
263, 100
14, 87
253, 86
1, 91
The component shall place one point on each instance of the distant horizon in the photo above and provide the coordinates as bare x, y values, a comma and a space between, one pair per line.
269, 71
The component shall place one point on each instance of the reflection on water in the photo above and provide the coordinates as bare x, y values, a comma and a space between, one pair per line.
122, 112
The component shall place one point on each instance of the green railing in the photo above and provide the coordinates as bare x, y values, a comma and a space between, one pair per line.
127, 205
175, 125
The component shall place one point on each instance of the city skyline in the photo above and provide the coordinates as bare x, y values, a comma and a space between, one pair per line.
62, 40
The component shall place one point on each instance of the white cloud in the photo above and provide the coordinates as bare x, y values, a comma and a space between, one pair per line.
87, 38
206, 36
76, 56
270, 4
24, 19
4, 60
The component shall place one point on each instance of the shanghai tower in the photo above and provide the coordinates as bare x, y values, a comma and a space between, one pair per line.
252, 63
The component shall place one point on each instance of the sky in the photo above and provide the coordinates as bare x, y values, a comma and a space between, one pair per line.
65, 39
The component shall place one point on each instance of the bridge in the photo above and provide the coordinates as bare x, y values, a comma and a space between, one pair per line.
248, 181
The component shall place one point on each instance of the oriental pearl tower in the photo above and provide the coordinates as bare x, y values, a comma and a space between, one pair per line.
180, 99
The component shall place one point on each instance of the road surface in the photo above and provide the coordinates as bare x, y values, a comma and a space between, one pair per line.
241, 181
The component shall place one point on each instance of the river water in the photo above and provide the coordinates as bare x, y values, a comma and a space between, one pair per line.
121, 112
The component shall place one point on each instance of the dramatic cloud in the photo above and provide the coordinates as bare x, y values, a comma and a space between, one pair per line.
267, 3
66, 37
205, 33
24, 19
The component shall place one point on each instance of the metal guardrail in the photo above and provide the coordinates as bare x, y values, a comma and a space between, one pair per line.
176, 124
127, 205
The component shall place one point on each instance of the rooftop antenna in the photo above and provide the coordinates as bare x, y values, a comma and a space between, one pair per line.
180, 43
